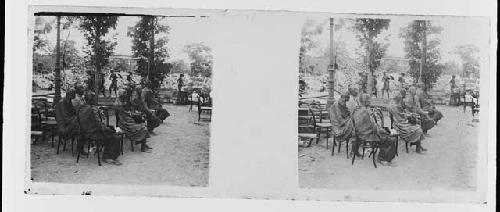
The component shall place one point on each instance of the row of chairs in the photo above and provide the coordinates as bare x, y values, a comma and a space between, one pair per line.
314, 120
43, 122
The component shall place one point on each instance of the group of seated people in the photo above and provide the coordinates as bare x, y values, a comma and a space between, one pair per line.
412, 115
78, 115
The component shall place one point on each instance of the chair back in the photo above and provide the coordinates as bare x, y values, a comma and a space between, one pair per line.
306, 122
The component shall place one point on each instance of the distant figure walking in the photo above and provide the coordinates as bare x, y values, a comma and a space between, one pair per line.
386, 88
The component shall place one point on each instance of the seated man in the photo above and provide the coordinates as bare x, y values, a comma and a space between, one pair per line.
410, 132
367, 129
130, 121
152, 104
93, 129
340, 117
67, 122
411, 103
426, 106
139, 105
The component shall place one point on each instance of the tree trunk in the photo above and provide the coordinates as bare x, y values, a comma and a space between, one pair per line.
331, 69
152, 51
97, 68
57, 74
424, 51
369, 84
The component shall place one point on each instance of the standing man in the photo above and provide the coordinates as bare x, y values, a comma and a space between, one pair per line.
180, 84
363, 81
453, 86
113, 77
385, 89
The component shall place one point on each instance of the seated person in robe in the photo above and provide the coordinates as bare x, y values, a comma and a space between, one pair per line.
367, 129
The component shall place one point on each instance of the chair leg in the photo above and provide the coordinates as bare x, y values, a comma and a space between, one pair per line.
58, 144
72, 145
318, 136
374, 151
121, 144
132, 145
340, 144
347, 148
88, 149
397, 145
353, 157
98, 151
406, 146
333, 146
363, 156
77, 156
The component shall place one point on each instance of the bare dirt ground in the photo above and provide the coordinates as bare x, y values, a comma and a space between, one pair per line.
180, 157
450, 163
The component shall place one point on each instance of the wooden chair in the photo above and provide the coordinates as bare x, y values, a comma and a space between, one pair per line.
36, 125
306, 127
46, 117
97, 152
122, 134
64, 141
204, 106
317, 113
338, 142
372, 145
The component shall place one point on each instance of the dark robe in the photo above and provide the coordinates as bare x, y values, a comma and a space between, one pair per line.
151, 103
67, 122
134, 130
413, 105
408, 132
367, 129
428, 107
93, 128
340, 118
152, 121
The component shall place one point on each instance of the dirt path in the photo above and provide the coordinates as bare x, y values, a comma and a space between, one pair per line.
180, 158
449, 163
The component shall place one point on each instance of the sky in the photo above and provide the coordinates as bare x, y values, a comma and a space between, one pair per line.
456, 31
183, 31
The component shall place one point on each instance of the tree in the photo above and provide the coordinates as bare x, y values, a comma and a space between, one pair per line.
414, 36
308, 41
151, 63
470, 61
451, 67
201, 58
42, 28
179, 66
367, 30
99, 49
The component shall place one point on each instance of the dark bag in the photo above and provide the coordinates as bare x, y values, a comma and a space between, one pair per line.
138, 117
162, 114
